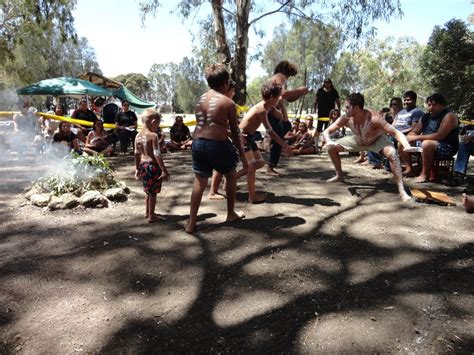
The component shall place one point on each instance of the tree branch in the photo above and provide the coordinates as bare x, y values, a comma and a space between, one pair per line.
269, 13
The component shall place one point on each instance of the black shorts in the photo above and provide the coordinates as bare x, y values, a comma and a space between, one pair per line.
209, 154
248, 142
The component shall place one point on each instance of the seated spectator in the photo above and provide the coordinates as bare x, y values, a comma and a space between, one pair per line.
180, 136
26, 121
290, 136
405, 121
98, 140
304, 143
83, 113
376, 160
309, 120
334, 114
438, 132
126, 123
26, 130
64, 140
466, 149
97, 106
49, 126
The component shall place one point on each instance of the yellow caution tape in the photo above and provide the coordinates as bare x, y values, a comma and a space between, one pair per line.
72, 120
8, 113
241, 109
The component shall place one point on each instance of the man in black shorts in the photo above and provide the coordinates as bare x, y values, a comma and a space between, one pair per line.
256, 116
211, 149
326, 99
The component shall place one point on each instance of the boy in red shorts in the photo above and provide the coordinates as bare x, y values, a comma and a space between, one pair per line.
149, 165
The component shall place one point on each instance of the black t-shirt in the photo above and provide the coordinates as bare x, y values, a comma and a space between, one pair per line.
66, 140
126, 119
86, 116
326, 101
179, 133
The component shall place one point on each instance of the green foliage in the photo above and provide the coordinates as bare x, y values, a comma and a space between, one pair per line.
137, 83
22, 19
81, 173
381, 70
177, 85
448, 65
163, 82
254, 89
190, 84
38, 41
51, 57
346, 18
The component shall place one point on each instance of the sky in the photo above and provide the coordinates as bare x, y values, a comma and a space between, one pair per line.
123, 45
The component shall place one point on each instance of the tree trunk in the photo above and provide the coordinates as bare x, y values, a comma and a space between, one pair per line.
240, 60
219, 29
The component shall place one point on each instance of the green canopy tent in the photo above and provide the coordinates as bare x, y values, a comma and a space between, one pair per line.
64, 86
118, 90
136, 103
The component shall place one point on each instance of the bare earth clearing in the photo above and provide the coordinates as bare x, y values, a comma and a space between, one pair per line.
319, 268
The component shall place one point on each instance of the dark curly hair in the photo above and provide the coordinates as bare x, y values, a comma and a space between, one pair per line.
286, 68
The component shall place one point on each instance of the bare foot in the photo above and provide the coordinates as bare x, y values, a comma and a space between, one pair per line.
405, 197
273, 172
235, 216
190, 228
155, 215
216, 196
359, 160
420, 179
468, 203
258, 198
155, 218
335, 179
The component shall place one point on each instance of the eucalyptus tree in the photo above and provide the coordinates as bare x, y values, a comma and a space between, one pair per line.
20, 19
137, 83
448, 65
382, 69
351, 18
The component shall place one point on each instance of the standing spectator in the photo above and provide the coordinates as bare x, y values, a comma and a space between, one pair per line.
126, 126
405, 121
326, 99
180, 136
438, 132
278, 115
83, 113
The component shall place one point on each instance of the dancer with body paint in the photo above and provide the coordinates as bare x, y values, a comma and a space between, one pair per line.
369, 130
258, 115
211, 149
149, 166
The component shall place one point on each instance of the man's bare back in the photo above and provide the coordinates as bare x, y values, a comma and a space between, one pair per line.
213, 115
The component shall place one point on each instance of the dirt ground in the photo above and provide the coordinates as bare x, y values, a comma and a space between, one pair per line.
318, 268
